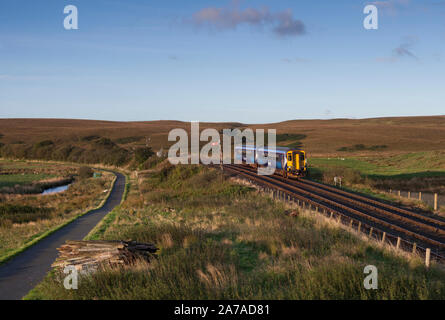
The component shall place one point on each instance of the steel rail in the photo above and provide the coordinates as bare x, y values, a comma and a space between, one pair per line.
308, 196
375, 202
404, 219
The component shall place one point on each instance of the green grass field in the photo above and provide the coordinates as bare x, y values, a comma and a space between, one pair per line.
222, 240
11, 180
419, 164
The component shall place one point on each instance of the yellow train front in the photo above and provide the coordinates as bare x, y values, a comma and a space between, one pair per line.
296, 164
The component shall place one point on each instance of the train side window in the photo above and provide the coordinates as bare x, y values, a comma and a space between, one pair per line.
289, 157
301, 157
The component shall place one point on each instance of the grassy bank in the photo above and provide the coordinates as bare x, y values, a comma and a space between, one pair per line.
421, 171
421, 164
26, 219
222, 240
11, 180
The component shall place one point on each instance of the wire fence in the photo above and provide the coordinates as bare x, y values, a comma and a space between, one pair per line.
434, 200
372, 232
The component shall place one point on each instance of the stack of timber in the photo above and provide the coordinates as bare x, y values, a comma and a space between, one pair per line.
88, 256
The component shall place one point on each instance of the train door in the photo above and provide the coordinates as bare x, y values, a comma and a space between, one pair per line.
290, 161
301, 161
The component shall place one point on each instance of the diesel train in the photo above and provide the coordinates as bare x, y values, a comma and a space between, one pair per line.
289, 162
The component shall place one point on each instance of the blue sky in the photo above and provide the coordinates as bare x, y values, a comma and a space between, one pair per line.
247, 61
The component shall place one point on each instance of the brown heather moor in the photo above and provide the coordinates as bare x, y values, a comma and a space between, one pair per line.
323, 137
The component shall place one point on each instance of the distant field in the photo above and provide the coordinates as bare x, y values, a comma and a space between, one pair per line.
11, 180
417, 171
421, 164
404, 147
22, 164
321, 138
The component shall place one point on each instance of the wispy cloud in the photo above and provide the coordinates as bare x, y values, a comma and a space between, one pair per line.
283, 23
402, 51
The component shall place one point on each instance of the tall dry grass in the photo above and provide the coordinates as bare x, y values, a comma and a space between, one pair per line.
221, 240
26, 217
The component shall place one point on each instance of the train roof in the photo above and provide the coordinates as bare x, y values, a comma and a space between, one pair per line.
283, 150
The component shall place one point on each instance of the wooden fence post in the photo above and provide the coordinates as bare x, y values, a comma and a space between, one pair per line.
331, 215
435, 202
420, 195
399, 194
370, 232
414, 247
350, 223
409, 194
359, 226
398, 243
427, 257
383, 237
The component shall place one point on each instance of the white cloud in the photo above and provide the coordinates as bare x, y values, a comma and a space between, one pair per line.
283, 23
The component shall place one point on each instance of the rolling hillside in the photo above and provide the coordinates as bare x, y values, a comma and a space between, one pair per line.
338, 137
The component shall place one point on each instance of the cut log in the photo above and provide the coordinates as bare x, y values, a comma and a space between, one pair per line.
88, 256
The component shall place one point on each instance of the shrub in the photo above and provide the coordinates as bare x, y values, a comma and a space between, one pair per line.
105, 142
142, 154
85, 172
126, 140
152, 162
44, 143
102, 150
90, 138
23, 214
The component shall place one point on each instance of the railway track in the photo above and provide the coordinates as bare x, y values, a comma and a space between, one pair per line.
408, 225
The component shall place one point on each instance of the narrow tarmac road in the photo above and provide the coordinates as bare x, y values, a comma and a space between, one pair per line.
23, 272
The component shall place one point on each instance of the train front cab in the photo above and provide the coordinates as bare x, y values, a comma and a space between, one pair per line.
296, 163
